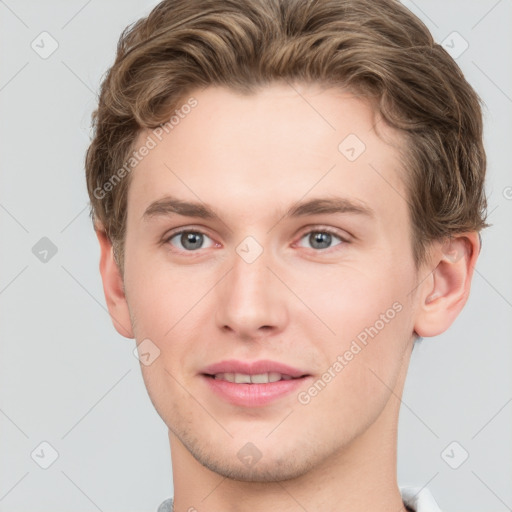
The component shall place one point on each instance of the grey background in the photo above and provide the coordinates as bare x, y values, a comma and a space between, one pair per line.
67, 377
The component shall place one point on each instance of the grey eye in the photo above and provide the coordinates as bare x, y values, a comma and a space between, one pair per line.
190, 240
321, 239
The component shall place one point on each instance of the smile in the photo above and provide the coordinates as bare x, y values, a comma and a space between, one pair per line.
259, 378
252, 383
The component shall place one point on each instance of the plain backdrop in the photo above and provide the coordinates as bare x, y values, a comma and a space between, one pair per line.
68, 380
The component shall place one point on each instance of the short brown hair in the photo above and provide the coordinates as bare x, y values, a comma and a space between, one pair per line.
374, 48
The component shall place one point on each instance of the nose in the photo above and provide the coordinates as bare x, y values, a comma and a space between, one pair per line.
251, 301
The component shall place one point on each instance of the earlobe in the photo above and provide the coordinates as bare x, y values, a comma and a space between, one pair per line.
444, 293
113, 287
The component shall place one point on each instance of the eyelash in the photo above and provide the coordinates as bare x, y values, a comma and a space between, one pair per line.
317, 229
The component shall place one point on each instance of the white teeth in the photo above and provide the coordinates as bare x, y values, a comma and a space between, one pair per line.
274, 377
240, 378
260, 378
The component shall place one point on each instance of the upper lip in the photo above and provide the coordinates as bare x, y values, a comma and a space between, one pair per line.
252, 368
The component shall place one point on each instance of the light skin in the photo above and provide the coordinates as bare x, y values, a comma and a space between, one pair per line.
250, 159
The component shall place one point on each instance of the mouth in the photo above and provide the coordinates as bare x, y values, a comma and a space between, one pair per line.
252, 384
258, 378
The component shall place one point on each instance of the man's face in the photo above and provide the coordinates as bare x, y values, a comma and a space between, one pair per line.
257, 284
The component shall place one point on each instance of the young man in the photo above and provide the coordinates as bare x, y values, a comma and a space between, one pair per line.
287, 194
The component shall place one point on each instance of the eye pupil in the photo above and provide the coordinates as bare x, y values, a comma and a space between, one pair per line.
191, 240
322, 238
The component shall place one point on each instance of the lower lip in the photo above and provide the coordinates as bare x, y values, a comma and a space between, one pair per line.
253, 395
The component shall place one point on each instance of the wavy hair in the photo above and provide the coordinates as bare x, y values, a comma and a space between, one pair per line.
377, 49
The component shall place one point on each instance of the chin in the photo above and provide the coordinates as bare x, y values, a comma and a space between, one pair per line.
269, 471
229, 462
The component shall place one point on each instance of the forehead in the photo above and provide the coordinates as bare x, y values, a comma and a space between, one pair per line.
282, 142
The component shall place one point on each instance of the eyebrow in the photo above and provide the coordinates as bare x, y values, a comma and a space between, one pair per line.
168, 206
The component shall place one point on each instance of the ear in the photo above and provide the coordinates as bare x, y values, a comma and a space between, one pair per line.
445, 291
113, 287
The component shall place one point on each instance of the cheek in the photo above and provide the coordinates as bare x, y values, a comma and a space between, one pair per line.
364, 357
351, 298
368, 315
160, 295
